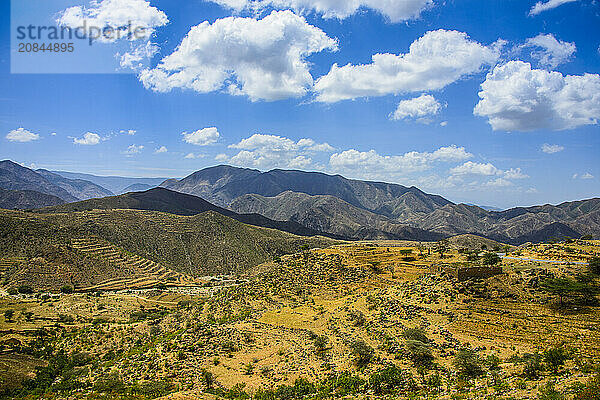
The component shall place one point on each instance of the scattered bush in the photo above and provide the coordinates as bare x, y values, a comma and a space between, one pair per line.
491, 259
25, 289
363, 353
555, 358
467, 363
8, 315
67, 289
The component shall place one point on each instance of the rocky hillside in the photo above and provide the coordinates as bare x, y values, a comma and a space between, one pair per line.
26, 199
171, 202
330, 214
223, 184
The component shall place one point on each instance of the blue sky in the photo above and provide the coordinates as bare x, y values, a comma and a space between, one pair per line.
488, 102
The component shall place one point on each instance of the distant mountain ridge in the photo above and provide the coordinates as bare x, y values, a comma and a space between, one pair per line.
363, 209
26, 199
16, 177
222, 184
115, 184
164, 200
79, 188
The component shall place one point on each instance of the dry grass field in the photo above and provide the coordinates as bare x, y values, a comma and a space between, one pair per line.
357, 320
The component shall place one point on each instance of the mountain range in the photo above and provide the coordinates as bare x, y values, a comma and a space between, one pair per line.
304, 203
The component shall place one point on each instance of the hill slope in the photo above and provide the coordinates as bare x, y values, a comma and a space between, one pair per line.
26, 199
116, 184
330, 214
222, 184
204, 244
78, 188
16, 177
168, 201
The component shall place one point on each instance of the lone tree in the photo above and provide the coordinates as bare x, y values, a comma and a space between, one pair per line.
565, 287
8, 314
491, 259
467, 363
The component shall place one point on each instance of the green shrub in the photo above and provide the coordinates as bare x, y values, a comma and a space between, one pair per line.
555, 358
25, 289
363, 353
67, 289
467, 363
419, 353
415, 334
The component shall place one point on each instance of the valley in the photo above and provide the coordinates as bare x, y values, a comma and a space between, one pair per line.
348, 319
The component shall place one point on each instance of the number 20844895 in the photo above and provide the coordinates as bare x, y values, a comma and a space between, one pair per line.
43, 47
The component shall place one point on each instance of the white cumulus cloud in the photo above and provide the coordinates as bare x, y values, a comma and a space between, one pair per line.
552, 148
202, 137
541, 6
21, 135
550, 51
515, 97
133, 149
116, 14
417, 108
161, 149
487, 169
433, 61
88, 139
272, 151
394, 10
263, 59
372, 163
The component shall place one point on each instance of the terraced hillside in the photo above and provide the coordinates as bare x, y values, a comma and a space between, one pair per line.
201, 245
139, 273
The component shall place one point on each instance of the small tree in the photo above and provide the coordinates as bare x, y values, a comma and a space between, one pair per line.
8, 315
491, 259
555, 358
363, 353
563, 287
67, 289
467, 363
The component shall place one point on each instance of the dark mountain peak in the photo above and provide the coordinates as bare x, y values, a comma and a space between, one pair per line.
171, 202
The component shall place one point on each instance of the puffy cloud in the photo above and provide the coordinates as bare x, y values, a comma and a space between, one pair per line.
371, 162
192, 156
515, 97
417, 108
271, 151
540, 6
88, 139
434, 61
133, 149
552, 52
137, 57
221, 157
587, 175
498, 183
552, 148
473, 168
202, 137
130, 132
161, 149
487, 169
394, 10
21, 135
116, 14
263, 59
